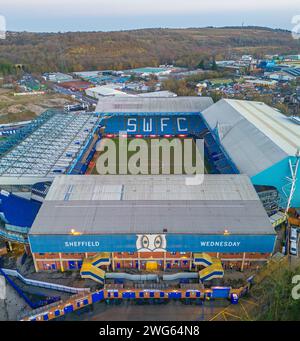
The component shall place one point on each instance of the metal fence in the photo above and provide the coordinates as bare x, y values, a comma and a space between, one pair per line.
47, 285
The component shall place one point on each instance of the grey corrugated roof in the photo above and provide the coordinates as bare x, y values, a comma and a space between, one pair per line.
150, 204
145, 187
162, 93
249, 134
153, 104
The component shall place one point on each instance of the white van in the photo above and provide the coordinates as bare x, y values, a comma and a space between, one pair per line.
293, 249
294, 235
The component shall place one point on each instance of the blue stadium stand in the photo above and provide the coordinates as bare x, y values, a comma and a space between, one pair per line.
40, 190
158, 124
16, 216
193, 124
216, 156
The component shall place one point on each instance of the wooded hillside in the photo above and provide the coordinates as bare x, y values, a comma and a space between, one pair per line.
78, 51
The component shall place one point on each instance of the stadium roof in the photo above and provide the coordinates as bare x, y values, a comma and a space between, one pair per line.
254, 135
150, 204
153, 104
53, 145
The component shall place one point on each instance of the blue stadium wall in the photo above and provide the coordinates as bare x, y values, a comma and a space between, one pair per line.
175, 243
277, 176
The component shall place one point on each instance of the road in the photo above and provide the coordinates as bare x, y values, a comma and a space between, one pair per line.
77, 94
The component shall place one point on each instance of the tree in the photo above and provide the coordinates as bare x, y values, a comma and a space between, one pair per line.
6, 68
214, 66
274, 295
201, 65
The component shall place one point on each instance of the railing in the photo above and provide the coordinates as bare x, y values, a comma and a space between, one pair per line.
77, 302
47, 285
121, 275
18, 229
13, 236
181, 275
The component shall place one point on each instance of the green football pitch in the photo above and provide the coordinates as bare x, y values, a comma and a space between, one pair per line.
149, 156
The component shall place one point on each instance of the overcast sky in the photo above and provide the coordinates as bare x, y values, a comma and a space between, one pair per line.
106, 15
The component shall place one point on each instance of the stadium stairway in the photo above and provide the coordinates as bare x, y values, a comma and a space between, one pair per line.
213, 267
91, 267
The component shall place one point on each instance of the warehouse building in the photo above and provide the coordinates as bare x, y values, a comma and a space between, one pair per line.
150, 223
260, 141
103, 91
57, 77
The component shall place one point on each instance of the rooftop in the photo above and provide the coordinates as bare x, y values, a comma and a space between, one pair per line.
162, 93
53, 145
255, 135
104, 90
153, 104
149, 204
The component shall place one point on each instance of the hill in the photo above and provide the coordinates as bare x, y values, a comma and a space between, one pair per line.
76, 51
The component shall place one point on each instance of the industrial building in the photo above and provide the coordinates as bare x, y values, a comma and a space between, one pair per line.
103, 91
293, 72
150, 223
161, 93
57, 77
76, 85
261, 142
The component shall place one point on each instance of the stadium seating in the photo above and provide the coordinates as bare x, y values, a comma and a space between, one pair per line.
17, 211
154, 124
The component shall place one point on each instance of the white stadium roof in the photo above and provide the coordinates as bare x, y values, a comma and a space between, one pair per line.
254, 135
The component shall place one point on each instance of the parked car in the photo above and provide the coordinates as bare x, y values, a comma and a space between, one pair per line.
294, 235
293, 249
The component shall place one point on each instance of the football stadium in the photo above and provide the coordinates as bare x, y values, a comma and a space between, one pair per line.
101, 224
